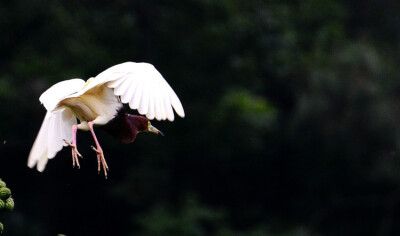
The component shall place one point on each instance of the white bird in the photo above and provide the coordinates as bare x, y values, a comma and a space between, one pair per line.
99, 102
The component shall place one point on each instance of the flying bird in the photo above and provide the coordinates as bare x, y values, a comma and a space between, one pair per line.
98, 102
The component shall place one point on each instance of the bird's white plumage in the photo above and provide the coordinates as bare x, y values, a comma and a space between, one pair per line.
52, 96
138, 84
55, 127
142, 87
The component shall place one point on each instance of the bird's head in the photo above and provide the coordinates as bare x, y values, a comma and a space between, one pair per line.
143, 125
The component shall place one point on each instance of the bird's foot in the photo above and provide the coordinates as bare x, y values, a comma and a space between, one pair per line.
101, 160
75, 154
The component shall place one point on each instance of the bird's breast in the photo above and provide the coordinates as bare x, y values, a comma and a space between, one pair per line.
100, 106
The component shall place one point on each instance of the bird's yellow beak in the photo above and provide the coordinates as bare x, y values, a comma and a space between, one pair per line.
154, 130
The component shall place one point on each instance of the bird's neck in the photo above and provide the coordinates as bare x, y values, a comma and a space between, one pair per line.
121, 128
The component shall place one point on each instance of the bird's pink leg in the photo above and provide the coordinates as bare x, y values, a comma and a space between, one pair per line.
99, 151
74, 147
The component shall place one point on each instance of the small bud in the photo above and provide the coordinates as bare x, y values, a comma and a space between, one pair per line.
5, 193
1, 228
2, 205
9, 204
2, 184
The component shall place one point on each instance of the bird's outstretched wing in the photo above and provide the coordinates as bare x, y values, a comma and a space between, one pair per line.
56, 127
57, 124
52, 96
142, 87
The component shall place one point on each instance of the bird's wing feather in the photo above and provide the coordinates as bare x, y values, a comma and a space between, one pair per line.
55, 127
52, 96
142, 87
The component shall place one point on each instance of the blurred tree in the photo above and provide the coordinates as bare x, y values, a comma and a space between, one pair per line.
291, 124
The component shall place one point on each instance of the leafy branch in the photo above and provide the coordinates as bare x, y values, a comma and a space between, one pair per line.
6, 201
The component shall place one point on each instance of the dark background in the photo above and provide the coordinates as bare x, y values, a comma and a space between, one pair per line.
291, 128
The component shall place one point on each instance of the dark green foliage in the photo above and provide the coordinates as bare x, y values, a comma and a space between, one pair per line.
291, 128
